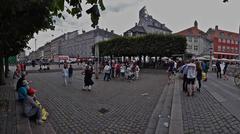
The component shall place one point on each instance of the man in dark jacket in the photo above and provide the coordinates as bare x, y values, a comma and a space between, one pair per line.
219, 75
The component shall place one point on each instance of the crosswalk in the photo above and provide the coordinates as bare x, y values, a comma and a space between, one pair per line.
225, 92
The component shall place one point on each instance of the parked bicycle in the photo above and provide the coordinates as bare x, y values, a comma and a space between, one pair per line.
237, 79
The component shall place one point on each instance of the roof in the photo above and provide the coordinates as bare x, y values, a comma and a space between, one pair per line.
223, 34
192, 31
137, 28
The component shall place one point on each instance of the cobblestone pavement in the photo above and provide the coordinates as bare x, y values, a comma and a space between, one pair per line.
202, 113
7, 109
129, 104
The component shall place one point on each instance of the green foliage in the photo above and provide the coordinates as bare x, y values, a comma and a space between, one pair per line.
150, 45
20, 19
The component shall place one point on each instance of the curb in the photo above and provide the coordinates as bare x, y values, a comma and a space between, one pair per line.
176, 122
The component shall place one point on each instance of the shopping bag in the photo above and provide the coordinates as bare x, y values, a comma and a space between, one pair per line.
204, 76
43, 111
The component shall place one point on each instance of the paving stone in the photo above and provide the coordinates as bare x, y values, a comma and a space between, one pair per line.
129, 111
203, 112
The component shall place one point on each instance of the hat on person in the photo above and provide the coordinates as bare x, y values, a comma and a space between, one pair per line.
25, 82
31, 91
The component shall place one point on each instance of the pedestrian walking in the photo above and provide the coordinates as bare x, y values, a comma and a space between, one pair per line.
88, 82
183, 70
107, 71
70, 74
137, 70
191, 76
65, 74
123, 70
199, 75
225, 70
117, 68
219, 75
170, 71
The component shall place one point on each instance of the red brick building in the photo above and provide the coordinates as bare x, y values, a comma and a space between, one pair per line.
225, 43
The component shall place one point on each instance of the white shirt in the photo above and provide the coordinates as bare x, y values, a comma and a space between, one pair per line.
107, 69
137, 68
191, 71
65, 72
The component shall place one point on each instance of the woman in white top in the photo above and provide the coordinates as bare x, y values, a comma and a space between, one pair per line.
191, 76
137, 70
65, 74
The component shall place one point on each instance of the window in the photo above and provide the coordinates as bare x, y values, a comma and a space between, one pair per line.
189, 46
195, 39
233, 41
228, 41
223, 48
195, 48
233, 49
190, 39
228, 49
219, 40
236, 42
219, 48
224, 41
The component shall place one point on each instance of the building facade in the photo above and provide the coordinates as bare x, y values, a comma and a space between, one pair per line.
147, 24
82, 44
72, 44
225, 43
197, 42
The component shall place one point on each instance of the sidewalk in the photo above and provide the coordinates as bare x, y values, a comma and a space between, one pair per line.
7, 109
202, 113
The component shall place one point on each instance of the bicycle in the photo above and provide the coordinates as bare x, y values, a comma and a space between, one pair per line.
237, 79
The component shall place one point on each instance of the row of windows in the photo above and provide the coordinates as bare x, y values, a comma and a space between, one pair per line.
192, 39
192, 47
228, 49
228, 41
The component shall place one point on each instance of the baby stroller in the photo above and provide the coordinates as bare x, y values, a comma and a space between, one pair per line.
131, 76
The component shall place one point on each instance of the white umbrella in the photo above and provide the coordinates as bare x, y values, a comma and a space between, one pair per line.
165, 58
201, 58
224, 59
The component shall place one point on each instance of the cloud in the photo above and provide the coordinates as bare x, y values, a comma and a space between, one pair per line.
120, 6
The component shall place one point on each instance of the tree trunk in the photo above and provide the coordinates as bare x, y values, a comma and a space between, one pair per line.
2, 79
155, 62
6, 66
144, 60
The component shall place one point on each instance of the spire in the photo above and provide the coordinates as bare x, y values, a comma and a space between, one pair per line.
143, 12
196, 24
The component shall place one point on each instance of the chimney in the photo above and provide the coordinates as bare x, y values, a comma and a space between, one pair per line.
112, 31
136, 24
97, 27
107, 29
216, 27
83, 31
196, 24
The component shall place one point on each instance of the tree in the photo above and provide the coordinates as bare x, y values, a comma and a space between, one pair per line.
20, 19
148, 45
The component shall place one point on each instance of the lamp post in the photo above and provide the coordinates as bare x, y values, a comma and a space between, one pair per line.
210, 64
96, 47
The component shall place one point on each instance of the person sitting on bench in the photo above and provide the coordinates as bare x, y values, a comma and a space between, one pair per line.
31, 109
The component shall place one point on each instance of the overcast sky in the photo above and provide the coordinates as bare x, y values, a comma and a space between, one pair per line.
121, 15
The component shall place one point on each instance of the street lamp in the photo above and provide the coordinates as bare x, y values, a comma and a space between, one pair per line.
211, 53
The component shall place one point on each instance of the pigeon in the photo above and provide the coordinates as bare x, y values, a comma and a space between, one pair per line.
224, 1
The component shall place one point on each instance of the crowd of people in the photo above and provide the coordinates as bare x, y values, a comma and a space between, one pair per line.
222, 69
122, 70
192, 72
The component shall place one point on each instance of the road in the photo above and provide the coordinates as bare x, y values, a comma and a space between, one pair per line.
129, 105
